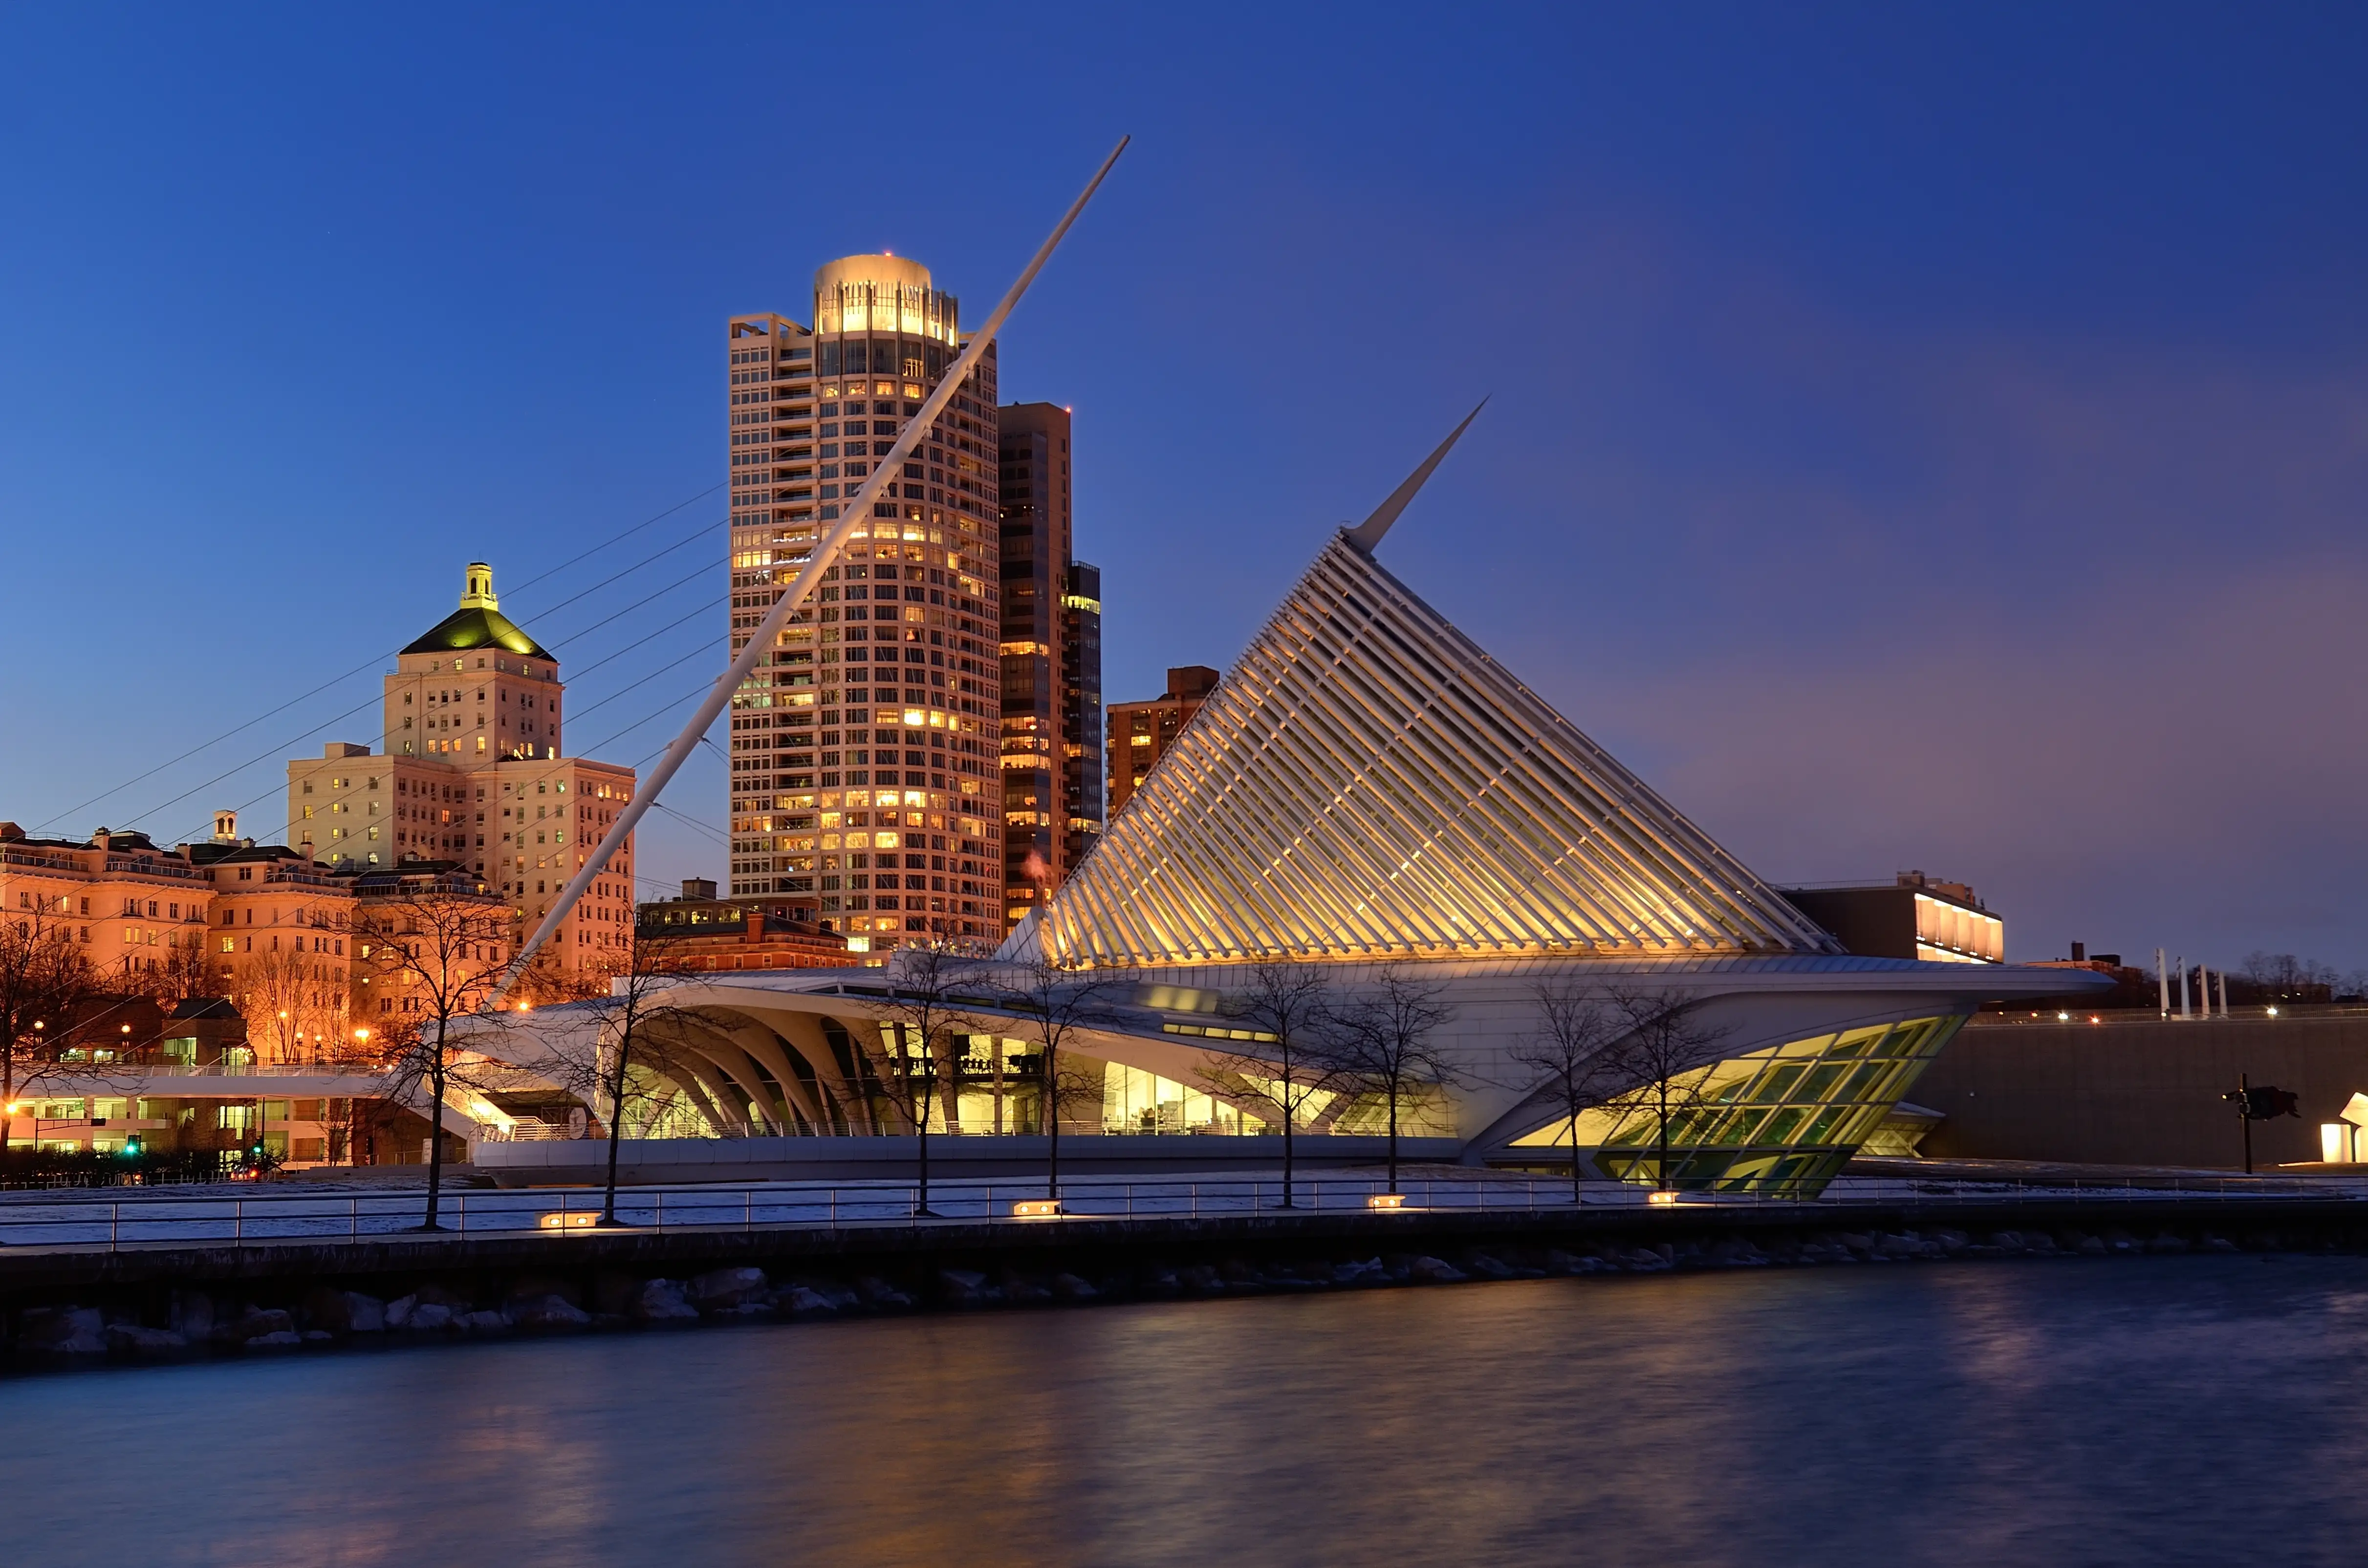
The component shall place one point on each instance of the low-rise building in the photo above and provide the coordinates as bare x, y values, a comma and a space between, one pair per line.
702, 933
136, 910
1141, 733
1912, 916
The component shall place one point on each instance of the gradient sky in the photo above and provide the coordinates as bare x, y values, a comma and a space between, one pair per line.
1923, 436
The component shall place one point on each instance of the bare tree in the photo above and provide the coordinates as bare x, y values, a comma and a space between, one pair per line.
438, 946
1285, 1006
1384, 1042
45, 980
631, 1019
922, 1012
2282, 977
1056, 1002
186, 975
287, 1000
1572, 1050
548, 979
1664, 1045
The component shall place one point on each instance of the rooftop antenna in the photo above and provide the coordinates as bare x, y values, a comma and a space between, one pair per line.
857, 508
1368, 534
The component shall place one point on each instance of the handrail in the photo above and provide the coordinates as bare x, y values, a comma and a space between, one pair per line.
174, 1218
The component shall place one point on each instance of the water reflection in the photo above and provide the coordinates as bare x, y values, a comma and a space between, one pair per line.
2130, 1411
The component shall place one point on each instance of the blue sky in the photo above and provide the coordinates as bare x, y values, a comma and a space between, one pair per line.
1923, 436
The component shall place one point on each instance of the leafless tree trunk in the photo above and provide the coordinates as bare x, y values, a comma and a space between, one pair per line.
1056, 1002
281, 995
1665, 1044
45, 979
630, 1021
186, 974
923, 978
1573, 1047
1285, 1006
441, 946
1384, 1042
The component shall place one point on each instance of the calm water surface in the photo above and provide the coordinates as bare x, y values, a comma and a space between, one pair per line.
2165, 1410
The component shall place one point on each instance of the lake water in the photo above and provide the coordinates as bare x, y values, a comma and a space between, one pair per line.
2205, 1410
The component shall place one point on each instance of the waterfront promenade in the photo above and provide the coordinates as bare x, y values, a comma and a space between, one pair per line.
245, 1214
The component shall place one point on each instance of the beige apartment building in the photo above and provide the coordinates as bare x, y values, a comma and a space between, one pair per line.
298, 951
865, 783
283, 937
473, 772
137, 910
278, 940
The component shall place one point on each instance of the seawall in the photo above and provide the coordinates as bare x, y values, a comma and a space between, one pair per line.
66, 1306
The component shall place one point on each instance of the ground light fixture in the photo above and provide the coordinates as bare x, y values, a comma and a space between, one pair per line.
1385, 1200
1037, 1208
569, 1220
1662, 1199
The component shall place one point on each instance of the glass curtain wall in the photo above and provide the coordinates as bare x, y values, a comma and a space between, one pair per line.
1780, 1122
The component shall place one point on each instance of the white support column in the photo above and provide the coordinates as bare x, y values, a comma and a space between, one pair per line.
2162, 981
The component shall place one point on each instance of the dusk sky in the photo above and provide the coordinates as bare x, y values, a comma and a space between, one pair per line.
1920, 437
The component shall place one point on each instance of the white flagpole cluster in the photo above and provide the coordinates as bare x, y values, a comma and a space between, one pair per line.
761, 642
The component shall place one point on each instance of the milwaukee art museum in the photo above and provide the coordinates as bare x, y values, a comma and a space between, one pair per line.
1368, 790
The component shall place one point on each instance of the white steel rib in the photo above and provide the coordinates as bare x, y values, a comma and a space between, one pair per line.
1367, 782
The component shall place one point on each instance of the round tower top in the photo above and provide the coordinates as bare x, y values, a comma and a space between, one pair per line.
879, 271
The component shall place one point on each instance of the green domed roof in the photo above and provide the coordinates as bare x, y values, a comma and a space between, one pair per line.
478, 624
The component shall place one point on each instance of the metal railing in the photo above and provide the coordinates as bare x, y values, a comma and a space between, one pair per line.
174, 1219
167, 1068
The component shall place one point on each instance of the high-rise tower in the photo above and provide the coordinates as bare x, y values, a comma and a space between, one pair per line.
1081, 710
1052, 664
863, 751
474, 775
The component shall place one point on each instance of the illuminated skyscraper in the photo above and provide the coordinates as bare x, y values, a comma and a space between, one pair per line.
1052, 664
864, 779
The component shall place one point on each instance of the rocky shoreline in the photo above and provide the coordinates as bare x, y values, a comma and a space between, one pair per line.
267, 1317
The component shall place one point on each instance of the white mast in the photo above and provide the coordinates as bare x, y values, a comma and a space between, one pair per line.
760, 642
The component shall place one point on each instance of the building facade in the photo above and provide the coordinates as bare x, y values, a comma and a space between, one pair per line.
699, 933
864, 750
1083, 794
1914, 916
137, 911
1367, 800
473, 771
1141, 733
1052, 664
